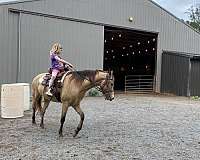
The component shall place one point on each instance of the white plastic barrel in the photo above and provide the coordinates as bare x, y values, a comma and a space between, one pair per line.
26, 93
15, 98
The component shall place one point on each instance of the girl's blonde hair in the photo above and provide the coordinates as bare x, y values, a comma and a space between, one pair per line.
56, 48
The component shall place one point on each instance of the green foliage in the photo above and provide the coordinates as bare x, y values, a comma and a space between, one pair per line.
194, 16
94, 92
195, 98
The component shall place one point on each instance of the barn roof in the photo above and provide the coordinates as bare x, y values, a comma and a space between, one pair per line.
154, 3
183, 54
16, 1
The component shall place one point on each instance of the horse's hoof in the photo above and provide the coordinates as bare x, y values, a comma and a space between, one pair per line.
75, 134
42, 126
34, 124
60, 135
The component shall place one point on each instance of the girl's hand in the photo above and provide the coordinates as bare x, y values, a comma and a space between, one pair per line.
70, 65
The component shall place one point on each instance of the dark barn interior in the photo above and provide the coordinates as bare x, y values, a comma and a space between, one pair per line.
129, 52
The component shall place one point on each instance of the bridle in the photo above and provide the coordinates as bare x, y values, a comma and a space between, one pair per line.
102, 85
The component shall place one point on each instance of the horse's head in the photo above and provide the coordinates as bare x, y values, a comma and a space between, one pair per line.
107, 86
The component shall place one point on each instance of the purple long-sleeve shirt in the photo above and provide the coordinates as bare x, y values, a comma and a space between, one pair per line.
55, 61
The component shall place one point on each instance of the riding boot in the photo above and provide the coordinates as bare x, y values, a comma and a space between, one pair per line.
51, 81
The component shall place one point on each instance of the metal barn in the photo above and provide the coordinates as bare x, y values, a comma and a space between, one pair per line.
126, 36
180, 74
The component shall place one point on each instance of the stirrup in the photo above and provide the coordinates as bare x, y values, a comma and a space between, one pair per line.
49, 93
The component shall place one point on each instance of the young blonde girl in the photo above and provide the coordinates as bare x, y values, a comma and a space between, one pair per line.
57, 64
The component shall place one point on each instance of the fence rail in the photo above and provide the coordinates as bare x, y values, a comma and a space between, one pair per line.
139, 83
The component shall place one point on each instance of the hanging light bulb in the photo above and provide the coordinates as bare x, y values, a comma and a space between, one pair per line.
146, 50
148, 42
105, 41
113, 57
130, 46
127, 54
124, 47
133, 53
122, 55
154, 40
139, 51
106, 51
120, 35
112, 38
112, 51
153, 49
138, 43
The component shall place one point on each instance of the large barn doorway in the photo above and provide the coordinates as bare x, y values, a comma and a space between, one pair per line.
132, 54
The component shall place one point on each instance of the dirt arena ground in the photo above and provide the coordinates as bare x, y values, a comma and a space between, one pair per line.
135, 127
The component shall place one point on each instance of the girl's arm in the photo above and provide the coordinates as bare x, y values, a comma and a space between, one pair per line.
63, 61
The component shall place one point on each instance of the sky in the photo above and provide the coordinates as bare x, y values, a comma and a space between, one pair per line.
176, 7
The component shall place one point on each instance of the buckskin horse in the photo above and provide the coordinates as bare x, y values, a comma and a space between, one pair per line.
73, 90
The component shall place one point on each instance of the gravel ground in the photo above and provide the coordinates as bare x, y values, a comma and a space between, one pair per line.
135, 127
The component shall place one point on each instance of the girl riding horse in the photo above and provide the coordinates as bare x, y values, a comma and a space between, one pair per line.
57, 64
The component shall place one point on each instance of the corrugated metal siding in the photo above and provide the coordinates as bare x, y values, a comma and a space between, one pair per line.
195, 78
147, 16
2, 43
82, 44
173, 35
175, 71
8, 46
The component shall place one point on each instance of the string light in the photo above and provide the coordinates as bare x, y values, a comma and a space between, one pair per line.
112, 56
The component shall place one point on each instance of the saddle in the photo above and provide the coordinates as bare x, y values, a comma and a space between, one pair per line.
58, 82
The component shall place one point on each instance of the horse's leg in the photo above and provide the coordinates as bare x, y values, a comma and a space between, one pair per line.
81, 114
43, 110
65, 107
34, 110
36, 104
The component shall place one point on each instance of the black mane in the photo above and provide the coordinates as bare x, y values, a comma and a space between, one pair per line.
82, 75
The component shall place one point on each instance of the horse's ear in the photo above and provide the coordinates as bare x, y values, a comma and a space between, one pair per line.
111, 74
108, 71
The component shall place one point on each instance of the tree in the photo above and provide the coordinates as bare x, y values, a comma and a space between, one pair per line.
194, 16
